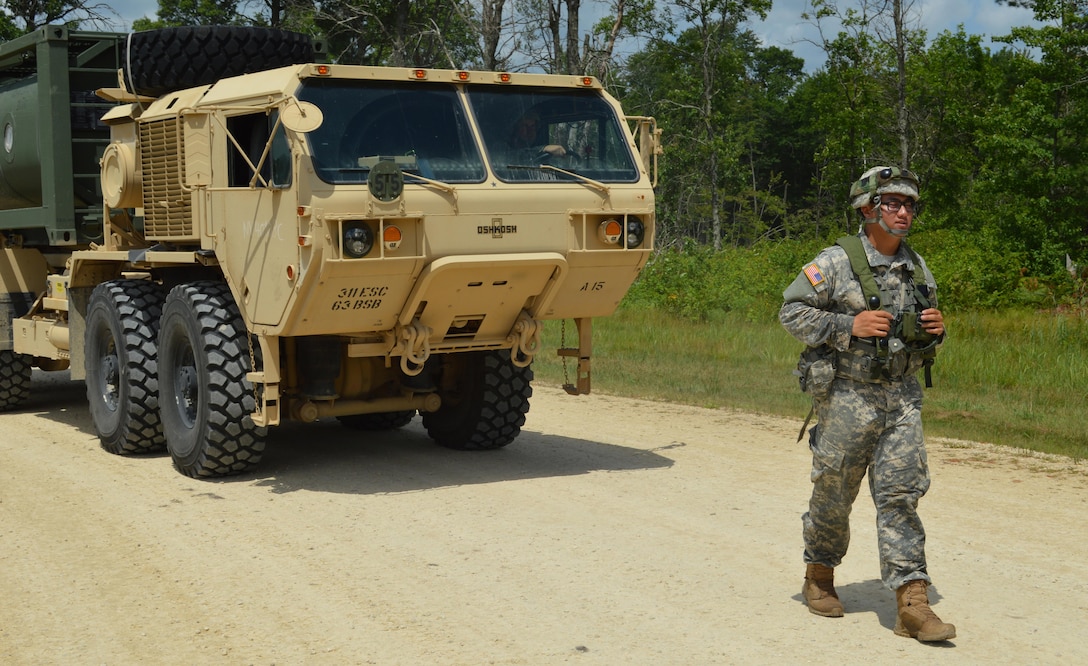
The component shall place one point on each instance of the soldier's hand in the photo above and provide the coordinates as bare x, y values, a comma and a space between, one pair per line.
872, 323
933, 321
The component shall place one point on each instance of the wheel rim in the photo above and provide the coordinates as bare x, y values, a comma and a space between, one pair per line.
110, 378
187, 387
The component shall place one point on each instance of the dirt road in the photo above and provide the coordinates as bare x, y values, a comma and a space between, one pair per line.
613, 531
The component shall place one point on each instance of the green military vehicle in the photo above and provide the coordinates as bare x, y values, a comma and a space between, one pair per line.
218, 234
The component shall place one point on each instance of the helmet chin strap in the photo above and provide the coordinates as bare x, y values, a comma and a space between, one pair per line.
900, 233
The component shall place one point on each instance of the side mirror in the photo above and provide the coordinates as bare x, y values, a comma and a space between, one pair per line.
301, 117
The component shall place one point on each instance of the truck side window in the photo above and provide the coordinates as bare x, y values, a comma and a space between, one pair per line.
252, 132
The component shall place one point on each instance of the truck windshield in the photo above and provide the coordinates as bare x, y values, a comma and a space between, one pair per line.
527, 130
421, 127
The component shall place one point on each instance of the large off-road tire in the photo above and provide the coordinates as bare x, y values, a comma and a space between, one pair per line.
161, 61
205, 398
15, 370
484, 401
121, 344
378, 421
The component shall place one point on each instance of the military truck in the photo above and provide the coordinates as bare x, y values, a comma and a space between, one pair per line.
218, 233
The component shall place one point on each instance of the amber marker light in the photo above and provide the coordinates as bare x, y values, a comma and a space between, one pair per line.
419, 74
504, 77
391, 237
587, 80
610, 231
323, 70
462, 76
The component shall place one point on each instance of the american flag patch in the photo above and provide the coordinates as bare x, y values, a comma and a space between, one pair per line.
812, 272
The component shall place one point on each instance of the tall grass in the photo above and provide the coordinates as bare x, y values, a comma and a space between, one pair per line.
1012, 378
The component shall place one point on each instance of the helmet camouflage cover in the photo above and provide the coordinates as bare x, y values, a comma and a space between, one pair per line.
883, 180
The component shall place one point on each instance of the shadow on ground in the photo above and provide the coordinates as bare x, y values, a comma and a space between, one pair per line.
328, 457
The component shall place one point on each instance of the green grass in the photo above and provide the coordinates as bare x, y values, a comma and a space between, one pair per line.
1018, 379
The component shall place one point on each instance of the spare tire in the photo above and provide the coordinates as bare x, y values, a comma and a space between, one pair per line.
161, 61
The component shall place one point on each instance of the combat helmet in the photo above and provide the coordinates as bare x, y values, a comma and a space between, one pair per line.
866, 191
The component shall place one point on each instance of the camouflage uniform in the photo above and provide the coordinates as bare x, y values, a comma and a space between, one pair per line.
865, 423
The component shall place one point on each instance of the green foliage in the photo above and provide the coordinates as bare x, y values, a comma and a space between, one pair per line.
191, 12
973, 271
720, 99
698, 283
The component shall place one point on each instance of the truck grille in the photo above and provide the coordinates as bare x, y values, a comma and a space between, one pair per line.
168, 209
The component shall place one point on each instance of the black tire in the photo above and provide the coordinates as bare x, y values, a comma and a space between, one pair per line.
484, 406
205, 398
378, 421
161, 61
15, 372
121, 350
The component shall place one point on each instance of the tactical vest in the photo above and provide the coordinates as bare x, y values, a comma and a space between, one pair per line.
907, 336
872, 360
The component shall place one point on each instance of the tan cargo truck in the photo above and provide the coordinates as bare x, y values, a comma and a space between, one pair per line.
317, 241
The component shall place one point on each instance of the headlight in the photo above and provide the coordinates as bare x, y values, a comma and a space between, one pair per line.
358, 240
636, 232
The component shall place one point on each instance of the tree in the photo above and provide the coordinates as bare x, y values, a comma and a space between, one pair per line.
709, 83
954, 87
401, 33
549, 37
861, 95
23, 16
1038, 140
492, 26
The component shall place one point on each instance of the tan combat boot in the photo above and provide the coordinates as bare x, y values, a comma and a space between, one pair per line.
916, 619
819, 591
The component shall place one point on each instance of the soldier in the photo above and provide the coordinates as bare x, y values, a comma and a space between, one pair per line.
525, 141
866, 309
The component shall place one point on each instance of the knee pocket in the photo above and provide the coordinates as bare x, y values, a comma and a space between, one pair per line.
825, 460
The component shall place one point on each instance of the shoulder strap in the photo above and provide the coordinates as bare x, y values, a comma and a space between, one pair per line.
921, 292
859, 263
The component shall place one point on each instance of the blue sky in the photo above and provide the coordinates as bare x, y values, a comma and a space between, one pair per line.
783, 26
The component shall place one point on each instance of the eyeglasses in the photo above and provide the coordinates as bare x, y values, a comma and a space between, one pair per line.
893, 205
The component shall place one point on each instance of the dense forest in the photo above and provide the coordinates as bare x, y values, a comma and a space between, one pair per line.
759, 153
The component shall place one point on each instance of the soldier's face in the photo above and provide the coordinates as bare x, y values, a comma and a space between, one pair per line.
898, 212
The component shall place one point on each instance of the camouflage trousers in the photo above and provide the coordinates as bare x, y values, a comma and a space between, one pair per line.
874, 428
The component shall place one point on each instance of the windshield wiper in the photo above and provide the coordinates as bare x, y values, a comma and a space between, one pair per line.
436, 183
574, 174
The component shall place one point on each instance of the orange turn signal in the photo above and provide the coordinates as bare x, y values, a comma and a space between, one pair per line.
610, 232
391, 237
